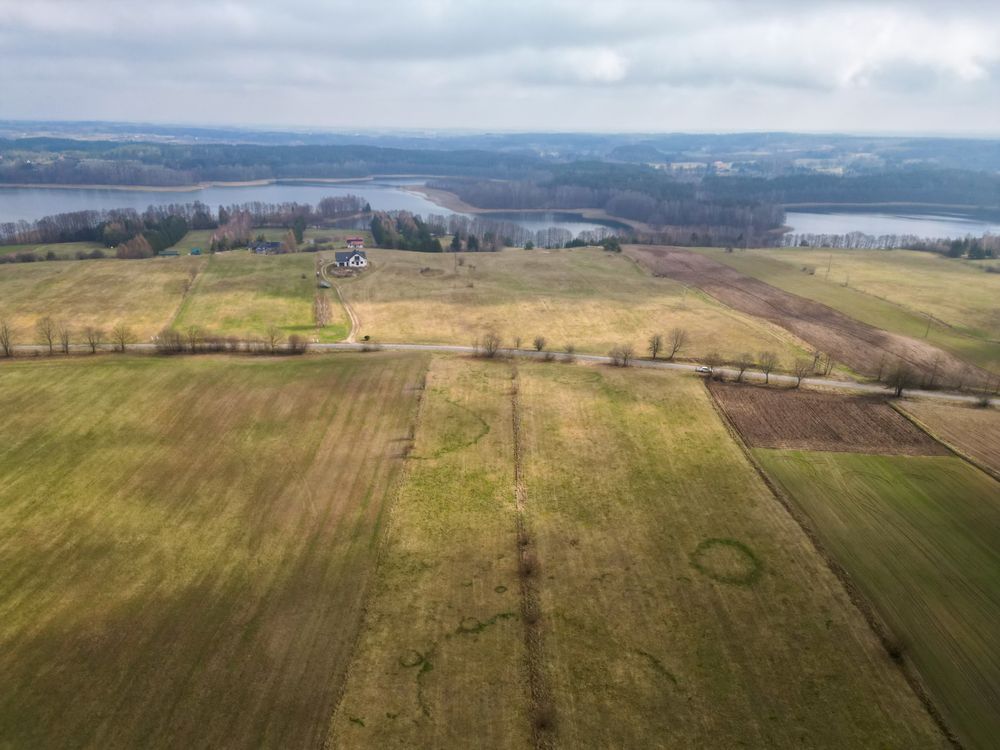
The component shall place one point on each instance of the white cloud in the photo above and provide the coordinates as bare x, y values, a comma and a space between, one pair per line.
581, 64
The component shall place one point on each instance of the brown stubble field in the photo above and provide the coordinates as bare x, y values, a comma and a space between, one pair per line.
859, 346
810, 420
974, 432
186, 543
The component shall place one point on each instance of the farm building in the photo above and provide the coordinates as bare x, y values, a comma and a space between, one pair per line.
265, 248
351, 259
355, 243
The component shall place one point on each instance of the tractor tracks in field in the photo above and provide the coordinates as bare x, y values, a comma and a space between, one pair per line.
355, 321
541, 704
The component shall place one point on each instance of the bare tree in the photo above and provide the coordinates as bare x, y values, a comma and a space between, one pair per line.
195, 337
931, 379
901, 377
322, 313
488, 345
93, 337
46, 328
801, 368
712, 360
655, 345
539, 343
767, 361
6, 338
827, 364
65, 334
622, 355
881, 368
297, 344
122, 336
678, 340
570, 355
273, 339
743, 363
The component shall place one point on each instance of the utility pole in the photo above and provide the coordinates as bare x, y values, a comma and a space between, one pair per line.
829, 263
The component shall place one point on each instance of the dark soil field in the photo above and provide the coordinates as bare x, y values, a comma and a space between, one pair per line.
774, 418
857, 345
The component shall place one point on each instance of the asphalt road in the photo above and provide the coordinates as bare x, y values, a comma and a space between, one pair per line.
752, 376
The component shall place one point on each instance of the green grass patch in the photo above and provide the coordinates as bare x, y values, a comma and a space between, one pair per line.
185, 543
921, 537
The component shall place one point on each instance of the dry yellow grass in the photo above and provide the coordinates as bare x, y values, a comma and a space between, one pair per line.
584, 296
974, 432
240, 294
441, 660
143, 294
952, 290
683, 605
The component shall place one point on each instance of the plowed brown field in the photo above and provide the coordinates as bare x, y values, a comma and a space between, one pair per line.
858, 345
772, 418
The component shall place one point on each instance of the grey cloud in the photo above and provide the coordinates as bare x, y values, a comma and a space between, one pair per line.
469, 63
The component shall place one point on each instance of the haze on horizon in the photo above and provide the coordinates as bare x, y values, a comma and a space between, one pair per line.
720, 65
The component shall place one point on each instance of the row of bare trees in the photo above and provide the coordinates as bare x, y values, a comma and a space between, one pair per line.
195, 340
677, 339
57, 335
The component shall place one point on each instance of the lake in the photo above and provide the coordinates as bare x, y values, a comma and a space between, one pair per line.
384, 194
923, 225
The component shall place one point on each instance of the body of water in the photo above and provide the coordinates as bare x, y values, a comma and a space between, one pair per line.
537, 220
924, 225
31, 203
384, 194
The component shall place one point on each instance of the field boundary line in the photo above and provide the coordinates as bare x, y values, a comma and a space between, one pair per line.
540, 692
959, 453
188, 292
352, 316
393, 500
861, 603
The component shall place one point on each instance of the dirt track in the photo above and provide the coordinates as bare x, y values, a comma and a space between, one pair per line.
857, 345
786, 418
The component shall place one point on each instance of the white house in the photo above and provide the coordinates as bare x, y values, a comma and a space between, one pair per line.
351, 259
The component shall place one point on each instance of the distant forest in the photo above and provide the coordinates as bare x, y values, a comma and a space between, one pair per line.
709, 208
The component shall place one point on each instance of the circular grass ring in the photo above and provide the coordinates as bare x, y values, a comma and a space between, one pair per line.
501, 589
470, 625
726, 561
411, 659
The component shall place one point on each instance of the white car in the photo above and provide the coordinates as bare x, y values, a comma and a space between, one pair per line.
703, 368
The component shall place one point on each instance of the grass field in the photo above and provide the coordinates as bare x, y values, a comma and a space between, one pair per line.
685, 608
586, 297
185, 543
974, 432
441, 662
921, 537
240, 294
144, 294
891, 289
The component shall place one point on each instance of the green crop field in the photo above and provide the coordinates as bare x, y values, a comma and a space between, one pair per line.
240, 294
144, 294
921, 537
896, 290
185, 543
678, 605
585, 297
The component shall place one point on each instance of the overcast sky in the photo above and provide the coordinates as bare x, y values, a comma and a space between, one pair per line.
610, 65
